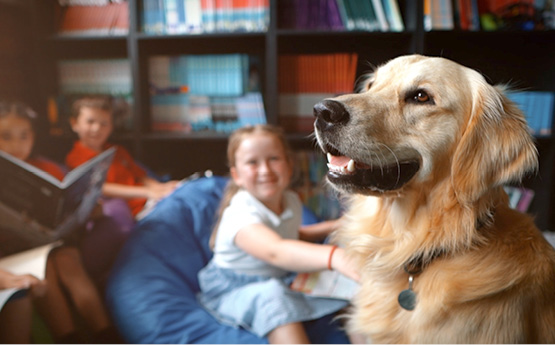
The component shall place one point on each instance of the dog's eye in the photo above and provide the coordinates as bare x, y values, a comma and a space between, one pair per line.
420, 96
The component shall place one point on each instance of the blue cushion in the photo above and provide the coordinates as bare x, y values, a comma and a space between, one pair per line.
152, 290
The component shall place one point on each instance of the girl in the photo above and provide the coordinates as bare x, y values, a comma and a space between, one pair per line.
64, 267
256, 245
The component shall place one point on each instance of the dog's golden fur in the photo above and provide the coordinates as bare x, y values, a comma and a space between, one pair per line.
494, 280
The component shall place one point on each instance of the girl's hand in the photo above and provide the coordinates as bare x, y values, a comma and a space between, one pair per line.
24, 281
344, 265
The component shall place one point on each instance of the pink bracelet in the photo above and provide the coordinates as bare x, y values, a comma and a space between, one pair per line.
331, 255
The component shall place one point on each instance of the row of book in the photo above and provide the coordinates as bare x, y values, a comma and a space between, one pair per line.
112, 76
211, 75
371, 15
489, 15
204, 16
193, 93
92, 18
317, 73
306, 80
185, 113
538, 106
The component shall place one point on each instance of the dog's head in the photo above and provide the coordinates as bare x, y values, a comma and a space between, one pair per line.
421, 120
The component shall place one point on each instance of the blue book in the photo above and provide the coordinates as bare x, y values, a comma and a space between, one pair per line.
547, 105
217, 75
522, 100
153, 17
181, 17
250, 109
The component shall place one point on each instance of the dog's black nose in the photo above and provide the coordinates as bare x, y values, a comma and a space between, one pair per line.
329, 113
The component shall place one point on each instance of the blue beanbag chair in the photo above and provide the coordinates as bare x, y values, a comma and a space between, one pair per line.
151, 292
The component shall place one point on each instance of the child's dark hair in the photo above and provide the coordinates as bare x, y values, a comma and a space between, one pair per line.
103, 102
18, 109
234, 142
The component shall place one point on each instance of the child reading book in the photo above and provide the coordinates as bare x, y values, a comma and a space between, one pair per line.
92, 120
257, 245
64, 268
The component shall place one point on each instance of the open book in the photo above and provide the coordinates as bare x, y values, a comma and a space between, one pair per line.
37, 208
331, 284
31, 262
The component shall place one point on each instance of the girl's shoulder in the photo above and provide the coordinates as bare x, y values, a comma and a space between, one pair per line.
242, 198
292, 199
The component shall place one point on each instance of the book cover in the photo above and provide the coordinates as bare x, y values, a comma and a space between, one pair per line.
38, 208
393, 15
153, 16
380, 14
346, 15
193, 16
525, 199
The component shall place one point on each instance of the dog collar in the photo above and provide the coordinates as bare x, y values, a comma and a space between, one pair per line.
414, 266
407, 297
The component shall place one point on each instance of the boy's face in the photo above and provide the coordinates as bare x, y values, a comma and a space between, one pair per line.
93, 126
16, 136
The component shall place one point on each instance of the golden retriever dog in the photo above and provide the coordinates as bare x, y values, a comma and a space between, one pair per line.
422, 152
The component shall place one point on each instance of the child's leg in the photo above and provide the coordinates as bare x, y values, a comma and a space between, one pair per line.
15, 321
81, 289
104, 238
53, 306
291, 333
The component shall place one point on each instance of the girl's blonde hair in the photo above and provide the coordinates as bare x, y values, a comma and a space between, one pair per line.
235, 140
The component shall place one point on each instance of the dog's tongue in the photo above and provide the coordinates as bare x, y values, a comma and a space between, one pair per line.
339, 161
343, 161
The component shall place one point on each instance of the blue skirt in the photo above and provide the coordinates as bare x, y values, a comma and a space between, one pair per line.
258, 304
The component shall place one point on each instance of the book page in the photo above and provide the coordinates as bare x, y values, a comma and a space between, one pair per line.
28, 262
330, 284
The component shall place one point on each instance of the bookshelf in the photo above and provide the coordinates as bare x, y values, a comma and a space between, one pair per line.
521, 58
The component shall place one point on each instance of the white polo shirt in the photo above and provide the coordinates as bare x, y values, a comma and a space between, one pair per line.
243, 210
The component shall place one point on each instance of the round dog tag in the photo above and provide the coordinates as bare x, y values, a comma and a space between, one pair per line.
407, 299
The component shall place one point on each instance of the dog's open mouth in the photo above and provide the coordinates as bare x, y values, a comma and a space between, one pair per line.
358, 177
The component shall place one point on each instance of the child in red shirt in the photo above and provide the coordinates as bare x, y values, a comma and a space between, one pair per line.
64, 268
92, 120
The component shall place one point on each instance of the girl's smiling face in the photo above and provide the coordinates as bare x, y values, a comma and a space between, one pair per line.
263, 169
16, 136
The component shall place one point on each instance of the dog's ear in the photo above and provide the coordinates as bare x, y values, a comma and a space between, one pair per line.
496, 147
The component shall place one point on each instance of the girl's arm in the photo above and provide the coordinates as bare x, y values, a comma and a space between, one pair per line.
116, 190
293, 255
